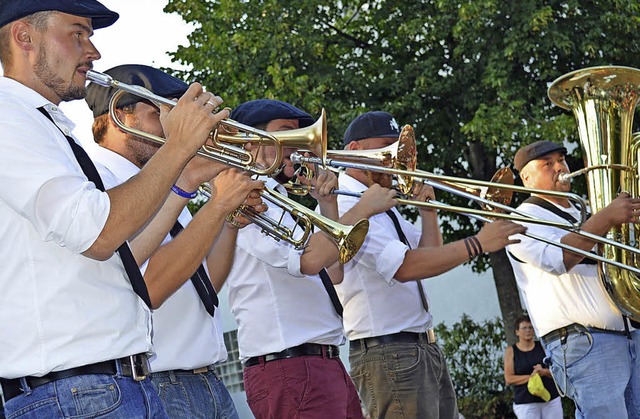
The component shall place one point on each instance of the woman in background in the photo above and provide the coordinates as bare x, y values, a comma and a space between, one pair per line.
522, 361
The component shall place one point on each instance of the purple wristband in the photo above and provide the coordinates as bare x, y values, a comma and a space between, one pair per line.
184, 194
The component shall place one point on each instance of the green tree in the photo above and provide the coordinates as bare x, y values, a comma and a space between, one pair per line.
470, 76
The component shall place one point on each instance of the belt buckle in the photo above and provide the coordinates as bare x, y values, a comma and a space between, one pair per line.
143, 365
332, 352
431, 336
201, 370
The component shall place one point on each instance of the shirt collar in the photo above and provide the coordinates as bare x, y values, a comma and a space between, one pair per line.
31, 98
351, 183
121, 167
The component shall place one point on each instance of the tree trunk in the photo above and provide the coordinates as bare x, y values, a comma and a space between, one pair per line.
507, 288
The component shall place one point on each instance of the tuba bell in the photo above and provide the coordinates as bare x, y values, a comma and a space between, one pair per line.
603, 101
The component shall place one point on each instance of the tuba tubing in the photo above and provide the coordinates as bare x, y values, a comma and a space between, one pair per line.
603, 101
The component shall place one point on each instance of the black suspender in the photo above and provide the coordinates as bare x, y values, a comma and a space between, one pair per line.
89, 169
543, 203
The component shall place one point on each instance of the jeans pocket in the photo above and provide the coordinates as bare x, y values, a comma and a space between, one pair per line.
402, 360
95, 395
574, 350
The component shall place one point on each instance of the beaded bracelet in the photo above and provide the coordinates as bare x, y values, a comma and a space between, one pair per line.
184, 194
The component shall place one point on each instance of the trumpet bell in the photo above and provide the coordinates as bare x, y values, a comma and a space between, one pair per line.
312, 138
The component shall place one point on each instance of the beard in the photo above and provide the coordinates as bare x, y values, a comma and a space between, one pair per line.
66, 91
140, 149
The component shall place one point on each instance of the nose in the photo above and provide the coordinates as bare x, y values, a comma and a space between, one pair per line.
92, 52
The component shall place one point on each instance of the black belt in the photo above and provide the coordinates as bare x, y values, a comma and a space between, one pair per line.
402, 337
574, 329
136, 366
306, 349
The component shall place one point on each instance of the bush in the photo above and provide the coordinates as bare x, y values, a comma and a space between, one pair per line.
474, 356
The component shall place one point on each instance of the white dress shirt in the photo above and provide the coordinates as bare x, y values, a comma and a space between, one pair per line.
554, 297
185, 336
375, 304
58, 308
276, 307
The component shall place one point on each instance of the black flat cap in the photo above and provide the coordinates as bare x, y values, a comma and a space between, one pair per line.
158, 82
260, 111
376, 124
101, 17
534, 151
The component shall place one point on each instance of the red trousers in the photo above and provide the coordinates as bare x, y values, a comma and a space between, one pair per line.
306, 387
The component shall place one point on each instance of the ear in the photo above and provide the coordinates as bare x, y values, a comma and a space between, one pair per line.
354, 145
22, 34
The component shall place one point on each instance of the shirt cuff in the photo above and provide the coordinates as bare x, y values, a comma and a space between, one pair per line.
388, 265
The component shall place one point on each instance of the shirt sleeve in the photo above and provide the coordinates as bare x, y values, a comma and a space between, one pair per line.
544, 256
43, 183
381, 251
278, 254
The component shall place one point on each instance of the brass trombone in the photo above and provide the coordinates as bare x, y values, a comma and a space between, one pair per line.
460, 187
347, 238
222, 145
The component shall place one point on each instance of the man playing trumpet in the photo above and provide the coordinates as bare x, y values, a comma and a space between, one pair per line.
288, 329
185, 261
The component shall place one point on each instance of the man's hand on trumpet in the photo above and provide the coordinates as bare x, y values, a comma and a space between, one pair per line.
233, 187
192, 119
199, 170
237, 220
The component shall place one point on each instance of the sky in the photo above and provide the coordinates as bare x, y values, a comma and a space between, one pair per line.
143, 35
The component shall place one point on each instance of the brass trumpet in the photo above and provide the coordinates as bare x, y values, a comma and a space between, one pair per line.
348, 239
222, 146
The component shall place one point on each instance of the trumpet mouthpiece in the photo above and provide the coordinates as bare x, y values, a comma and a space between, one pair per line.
102, 79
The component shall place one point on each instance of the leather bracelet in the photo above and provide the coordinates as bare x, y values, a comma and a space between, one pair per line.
475, 240
189, 195
466, 243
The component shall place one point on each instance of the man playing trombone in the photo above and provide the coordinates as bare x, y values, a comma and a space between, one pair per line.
396, 365
187, 331
288, 329
593, 356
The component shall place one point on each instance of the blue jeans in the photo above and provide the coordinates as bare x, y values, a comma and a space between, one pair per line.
599, 371
189, 395
88, 396
404, 380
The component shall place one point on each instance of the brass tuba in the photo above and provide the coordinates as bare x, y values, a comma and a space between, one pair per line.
603, 101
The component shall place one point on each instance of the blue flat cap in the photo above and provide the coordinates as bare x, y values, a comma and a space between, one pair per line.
158, 82
534, 151
260, 111
376, 124
101, 17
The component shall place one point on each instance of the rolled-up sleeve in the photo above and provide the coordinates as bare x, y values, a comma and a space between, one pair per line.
43, 183
544, 256
380, 251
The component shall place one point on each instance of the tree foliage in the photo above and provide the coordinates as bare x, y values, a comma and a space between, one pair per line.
470, 75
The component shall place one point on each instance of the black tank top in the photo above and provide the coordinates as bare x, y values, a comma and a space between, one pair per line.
523, 363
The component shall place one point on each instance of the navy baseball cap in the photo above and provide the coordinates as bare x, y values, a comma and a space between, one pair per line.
260, 111
101, 17
158, 82
376, 124
534, 151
